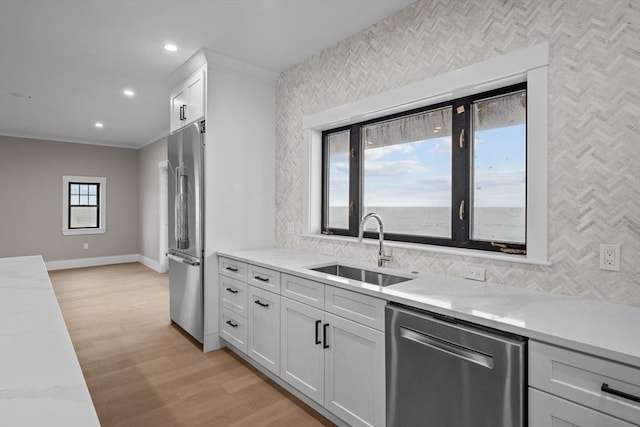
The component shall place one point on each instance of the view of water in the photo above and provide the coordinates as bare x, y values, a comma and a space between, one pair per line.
492, 224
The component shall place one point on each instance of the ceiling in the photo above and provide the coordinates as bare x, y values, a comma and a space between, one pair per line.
64, 64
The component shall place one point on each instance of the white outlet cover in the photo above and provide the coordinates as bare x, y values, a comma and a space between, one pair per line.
610, 257
474, 272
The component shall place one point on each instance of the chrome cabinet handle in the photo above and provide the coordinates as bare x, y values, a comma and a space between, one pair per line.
605, 388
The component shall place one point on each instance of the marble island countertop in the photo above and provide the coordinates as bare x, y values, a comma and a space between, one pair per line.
41, 383
599, 328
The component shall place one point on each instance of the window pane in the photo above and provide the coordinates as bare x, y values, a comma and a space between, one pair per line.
75, 200
84, 200
92, 189
83, 217
407, 173
338, 180
84, 189
499, 169
75, 189
93, 200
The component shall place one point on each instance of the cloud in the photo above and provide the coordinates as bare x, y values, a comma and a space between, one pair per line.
398, 167
442, 146
499, 178
380, 152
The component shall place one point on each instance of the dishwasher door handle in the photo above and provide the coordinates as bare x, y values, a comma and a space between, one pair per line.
450, 348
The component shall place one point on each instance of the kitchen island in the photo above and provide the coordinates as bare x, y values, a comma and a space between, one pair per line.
41, 383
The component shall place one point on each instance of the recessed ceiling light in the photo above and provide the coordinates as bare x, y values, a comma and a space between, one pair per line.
171, 47
128, 92
99, 125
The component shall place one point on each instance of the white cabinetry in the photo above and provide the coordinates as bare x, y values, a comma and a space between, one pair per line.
233, 298
337, 362
188, 101
567, 388
302, 355
264, 328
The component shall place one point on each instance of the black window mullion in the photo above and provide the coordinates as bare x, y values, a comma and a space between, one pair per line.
459, 169
355, 179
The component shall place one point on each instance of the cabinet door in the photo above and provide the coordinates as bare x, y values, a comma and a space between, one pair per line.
301, 352
178, 102
194, 87
355, 372
546, 410
264, 328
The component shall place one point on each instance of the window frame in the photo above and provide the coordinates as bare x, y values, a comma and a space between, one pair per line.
530, 64
461, 175
67, 180
71, 205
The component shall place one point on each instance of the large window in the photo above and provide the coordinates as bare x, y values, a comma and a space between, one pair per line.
83, 204
451, 174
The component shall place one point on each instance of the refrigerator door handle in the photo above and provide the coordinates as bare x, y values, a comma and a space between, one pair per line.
183, 260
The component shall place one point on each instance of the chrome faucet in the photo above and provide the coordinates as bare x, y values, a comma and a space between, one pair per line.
382, 258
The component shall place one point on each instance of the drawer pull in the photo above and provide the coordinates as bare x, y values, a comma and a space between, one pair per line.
233, 325
605, 388
233, 291
324, 335
261, 304
235, 270
262, 279
317, 337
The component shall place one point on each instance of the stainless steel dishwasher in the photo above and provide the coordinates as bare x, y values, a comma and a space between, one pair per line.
442, 372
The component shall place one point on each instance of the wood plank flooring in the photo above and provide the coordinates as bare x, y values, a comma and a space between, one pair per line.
143, 371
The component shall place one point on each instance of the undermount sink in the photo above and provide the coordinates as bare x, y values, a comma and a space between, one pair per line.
362, 275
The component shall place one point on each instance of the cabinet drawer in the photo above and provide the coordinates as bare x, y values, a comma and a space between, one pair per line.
234, 329
233, 294
355, 306
232, 268
303, 290
546, 410
579, 378
264, 278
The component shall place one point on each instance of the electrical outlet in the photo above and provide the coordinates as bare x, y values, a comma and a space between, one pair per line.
474, 272
610, 257
86, 246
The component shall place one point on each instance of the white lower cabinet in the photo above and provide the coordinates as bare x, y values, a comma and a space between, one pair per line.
336, 362
301, 352
354, 372
264, 328
546, 410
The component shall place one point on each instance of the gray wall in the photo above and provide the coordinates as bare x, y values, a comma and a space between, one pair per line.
31, 198
149, 182
594, 87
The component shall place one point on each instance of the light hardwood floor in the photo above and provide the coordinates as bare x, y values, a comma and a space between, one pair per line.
143, 371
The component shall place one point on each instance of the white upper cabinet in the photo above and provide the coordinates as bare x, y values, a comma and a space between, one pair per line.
188, 100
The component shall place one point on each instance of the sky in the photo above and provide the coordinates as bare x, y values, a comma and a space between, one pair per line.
418, 174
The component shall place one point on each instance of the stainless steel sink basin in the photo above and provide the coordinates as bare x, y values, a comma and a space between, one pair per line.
362, 275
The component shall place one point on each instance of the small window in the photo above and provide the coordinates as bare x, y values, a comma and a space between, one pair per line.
451, 174
84, 205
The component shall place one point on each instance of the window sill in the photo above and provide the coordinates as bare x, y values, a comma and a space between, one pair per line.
434, 249
84, 231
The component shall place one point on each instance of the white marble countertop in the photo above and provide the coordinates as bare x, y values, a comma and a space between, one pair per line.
41, 383
603, 329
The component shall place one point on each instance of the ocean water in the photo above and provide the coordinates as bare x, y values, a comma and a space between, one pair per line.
492, 224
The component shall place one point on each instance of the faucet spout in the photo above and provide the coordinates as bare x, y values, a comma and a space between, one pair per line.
382, 258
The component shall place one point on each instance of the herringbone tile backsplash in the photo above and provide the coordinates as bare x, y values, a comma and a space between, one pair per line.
594, 125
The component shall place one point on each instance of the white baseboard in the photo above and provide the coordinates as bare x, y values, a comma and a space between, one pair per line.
152, 264
106, 260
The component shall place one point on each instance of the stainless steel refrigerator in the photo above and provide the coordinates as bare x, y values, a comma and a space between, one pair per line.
186, 228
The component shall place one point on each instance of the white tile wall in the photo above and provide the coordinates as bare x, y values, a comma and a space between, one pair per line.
594, 133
